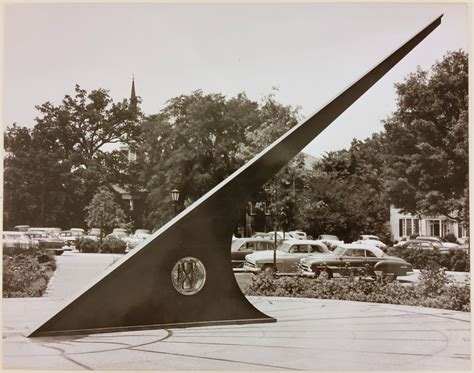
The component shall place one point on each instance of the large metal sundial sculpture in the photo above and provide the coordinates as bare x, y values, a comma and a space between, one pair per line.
182, 275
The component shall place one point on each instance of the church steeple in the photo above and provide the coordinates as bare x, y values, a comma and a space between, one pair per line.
133, 96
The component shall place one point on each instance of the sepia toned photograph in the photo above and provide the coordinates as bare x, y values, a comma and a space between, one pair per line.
236, 186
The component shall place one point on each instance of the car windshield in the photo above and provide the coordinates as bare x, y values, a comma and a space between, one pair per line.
284, 247
236, 244
294, 247
378, 252
328, 237
375, 250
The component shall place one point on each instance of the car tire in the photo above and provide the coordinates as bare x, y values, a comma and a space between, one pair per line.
387, 276
390, 277
268, 270
323, 274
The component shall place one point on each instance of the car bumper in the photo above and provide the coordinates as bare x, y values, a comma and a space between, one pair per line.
238, 264
246, 268
307, 273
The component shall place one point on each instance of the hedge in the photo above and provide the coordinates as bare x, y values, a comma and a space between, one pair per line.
454, 260
88, 245
113, 245
109, 245
26, 273
434, 290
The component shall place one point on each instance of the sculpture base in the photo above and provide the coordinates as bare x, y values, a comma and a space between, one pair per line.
150, 327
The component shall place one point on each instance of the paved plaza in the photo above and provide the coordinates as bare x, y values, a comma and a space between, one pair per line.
310, 334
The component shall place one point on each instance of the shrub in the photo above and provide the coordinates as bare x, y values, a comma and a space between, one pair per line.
88, 245
450, 237
458, 297
460, 261
433, 281
434, 290
113, 245
16, 250
26, 274
454, 260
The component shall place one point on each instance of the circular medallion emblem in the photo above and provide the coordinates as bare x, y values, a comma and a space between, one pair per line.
188, 275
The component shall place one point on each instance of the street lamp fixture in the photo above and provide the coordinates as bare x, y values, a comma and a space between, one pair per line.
175, 199
175, 195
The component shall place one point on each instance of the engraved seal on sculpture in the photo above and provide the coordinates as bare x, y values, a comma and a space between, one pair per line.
188, 275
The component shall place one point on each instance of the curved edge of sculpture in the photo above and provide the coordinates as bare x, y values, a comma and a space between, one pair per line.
182, 275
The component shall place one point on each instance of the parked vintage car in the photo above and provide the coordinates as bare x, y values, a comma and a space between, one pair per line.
299, 235
331, 240
376, 243
120, 233
283, 235
71, 237
47, 241
369, 237
93, 234
18, 240
135, 239
439, 240
50, 230
288, 255
241, 247
465, 245
358, 259
21, 228
403, 240
425, 245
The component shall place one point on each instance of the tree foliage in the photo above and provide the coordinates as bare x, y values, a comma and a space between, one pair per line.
53, 168
199, 139
419, 163
427, 140
345, 194
104, 212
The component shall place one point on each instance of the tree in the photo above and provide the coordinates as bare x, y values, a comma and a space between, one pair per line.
53, 168
197, 140
83, 124
427, 141
35, 180
345, 192
102, 211
282, 191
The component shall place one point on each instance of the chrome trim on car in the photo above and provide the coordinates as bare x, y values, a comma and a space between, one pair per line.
246, 268
250, 264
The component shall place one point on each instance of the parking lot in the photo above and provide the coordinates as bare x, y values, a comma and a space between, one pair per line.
76, 270
310, 334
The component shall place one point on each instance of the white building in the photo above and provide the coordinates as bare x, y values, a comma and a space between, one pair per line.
404, 225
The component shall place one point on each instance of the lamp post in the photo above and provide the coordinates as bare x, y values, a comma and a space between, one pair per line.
102, 212
175, 199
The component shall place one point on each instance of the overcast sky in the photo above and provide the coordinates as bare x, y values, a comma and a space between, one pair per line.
310, 52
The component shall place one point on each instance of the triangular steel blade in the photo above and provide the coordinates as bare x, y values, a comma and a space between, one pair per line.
152, 287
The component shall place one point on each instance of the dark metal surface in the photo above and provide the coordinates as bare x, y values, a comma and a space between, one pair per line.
139, 292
